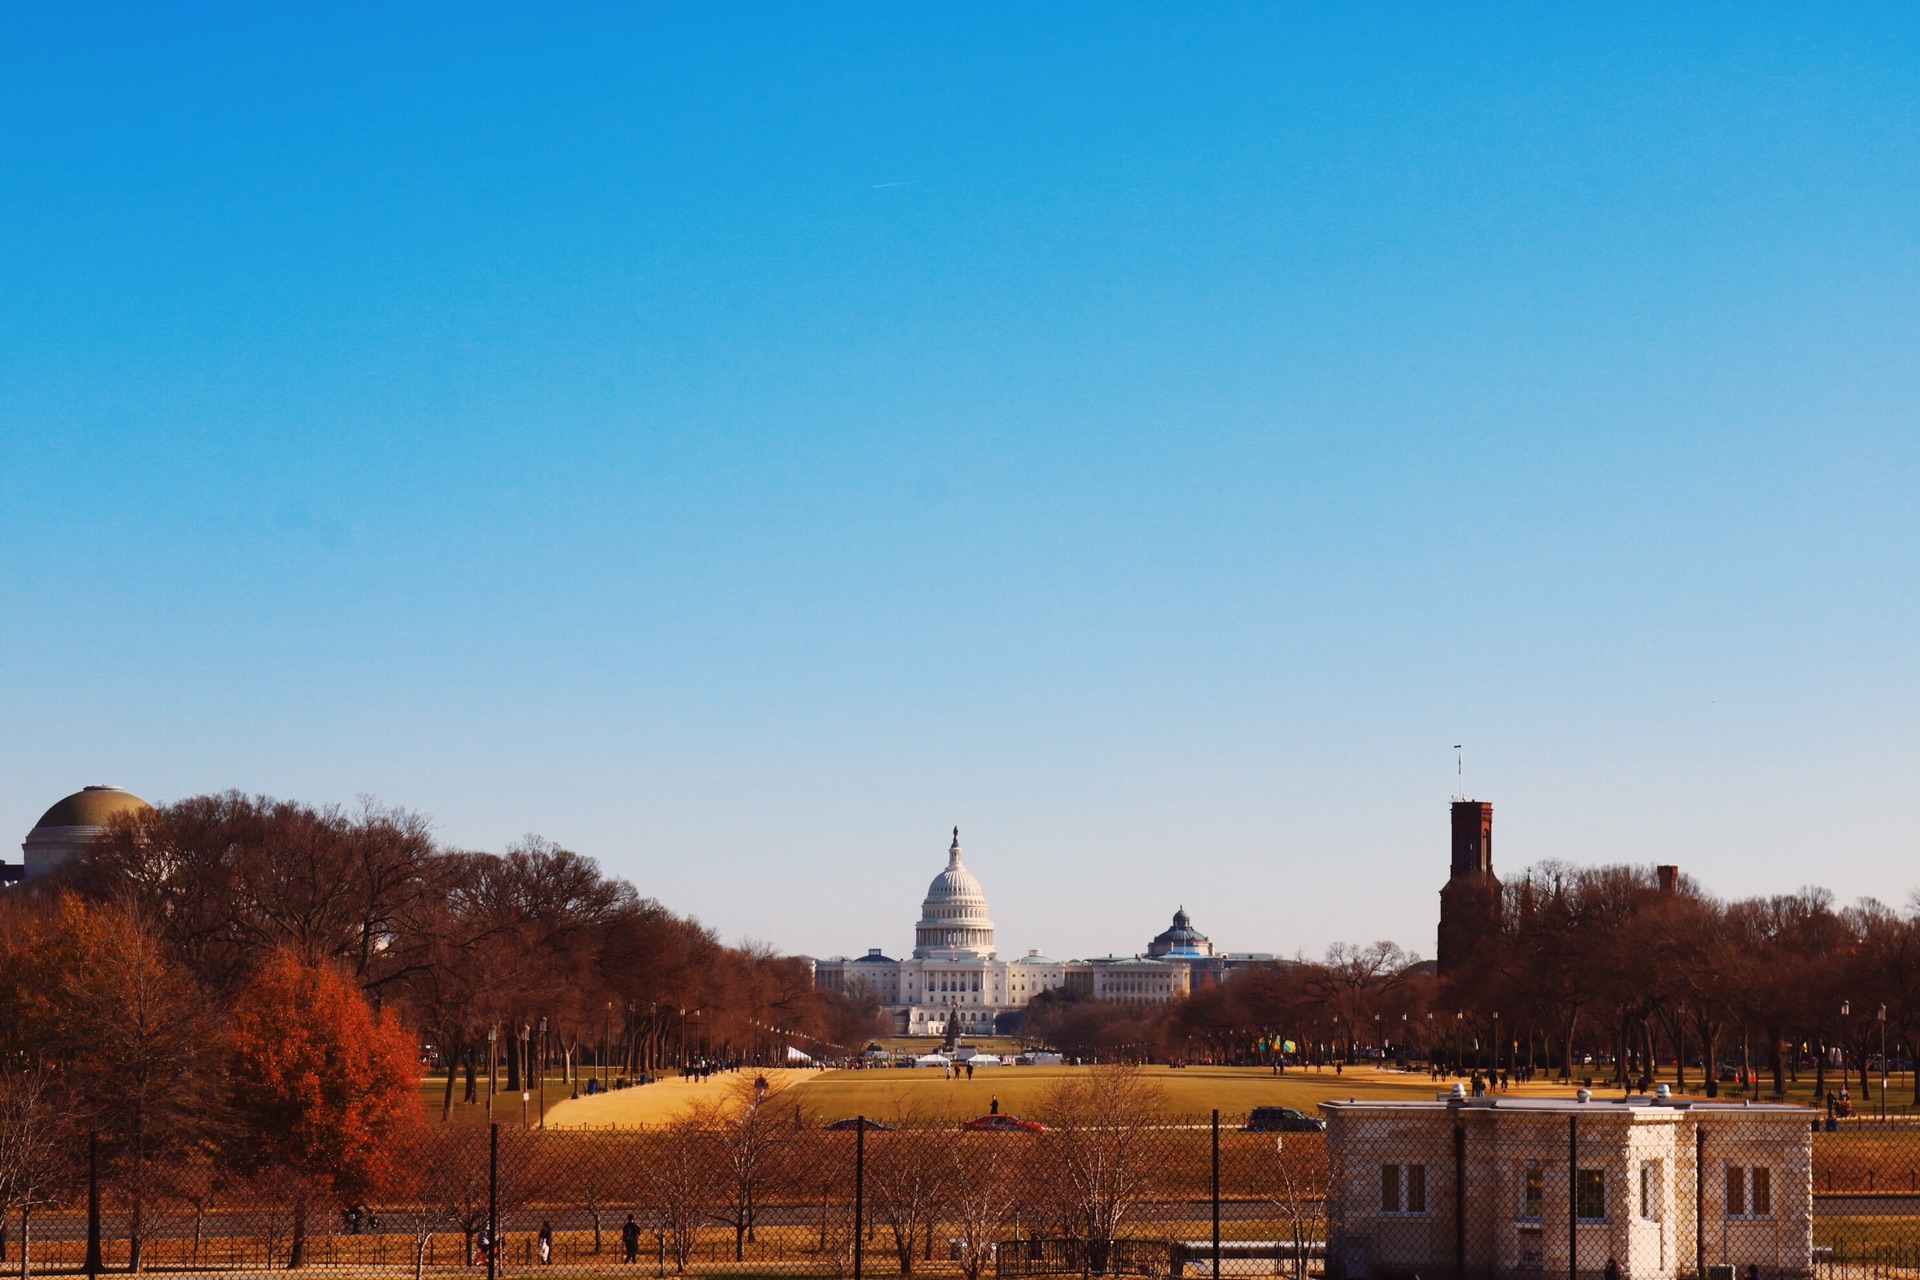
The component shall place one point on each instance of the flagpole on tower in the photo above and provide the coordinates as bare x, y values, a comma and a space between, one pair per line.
1460, 771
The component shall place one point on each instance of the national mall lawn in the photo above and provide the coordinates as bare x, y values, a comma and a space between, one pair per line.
925, 1095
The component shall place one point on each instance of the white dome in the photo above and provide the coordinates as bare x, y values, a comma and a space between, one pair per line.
953, 919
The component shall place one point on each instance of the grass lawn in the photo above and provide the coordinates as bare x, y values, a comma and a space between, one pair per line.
925, 1094
1190, 1091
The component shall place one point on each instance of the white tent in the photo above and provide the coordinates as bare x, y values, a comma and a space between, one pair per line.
931, 1060
983, 1060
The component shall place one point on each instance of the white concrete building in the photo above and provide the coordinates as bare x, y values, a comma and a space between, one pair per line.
955, 973
1497, 1187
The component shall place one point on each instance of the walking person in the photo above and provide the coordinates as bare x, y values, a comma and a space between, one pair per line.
1613, 1269
546, 1244
630, 1239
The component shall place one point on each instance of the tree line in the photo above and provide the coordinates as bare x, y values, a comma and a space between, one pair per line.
238, 987
459, 944
1582, 971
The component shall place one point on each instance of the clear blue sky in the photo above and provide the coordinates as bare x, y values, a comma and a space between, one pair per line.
741, 443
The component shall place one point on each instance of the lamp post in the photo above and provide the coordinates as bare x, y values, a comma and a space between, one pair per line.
1496, 1050
543, 1071
1430, 1062
526, 1063
493, 1075
1459, 1033
1883, 1064
606, 1046
1846, 1011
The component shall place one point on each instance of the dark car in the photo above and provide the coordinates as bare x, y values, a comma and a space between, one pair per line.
1004, 1124
1283, 1120
855, 1122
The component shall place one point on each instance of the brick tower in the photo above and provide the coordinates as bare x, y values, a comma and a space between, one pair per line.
1470, 902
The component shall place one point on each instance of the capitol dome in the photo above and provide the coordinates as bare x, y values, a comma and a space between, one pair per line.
953, 919
72, 824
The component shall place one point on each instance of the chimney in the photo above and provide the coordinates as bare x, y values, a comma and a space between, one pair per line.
1669, 878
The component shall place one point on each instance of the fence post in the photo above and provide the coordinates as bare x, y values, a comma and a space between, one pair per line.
1216, 1194
1459, 1202
859, 1195
1573, 1197
94, 1264
493, 1199
1700, 1201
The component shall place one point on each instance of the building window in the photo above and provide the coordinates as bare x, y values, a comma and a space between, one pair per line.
1533, 1193
1749, 1191
1590, 1195
1650, 1193
1403, 1189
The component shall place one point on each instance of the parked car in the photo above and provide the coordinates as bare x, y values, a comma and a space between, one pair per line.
855, 1122
1283, 1120
1004, 1124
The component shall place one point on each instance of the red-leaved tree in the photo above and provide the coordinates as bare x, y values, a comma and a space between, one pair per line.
324, 1088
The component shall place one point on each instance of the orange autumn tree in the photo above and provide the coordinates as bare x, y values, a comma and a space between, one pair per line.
323, 1087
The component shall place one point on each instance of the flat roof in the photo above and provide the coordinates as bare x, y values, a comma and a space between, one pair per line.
1550, 1106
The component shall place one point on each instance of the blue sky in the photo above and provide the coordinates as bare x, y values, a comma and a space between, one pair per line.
741, 443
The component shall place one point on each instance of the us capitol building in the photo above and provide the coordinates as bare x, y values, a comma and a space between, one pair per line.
955, 976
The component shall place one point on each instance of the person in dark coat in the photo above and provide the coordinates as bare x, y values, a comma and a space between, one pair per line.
630, 1239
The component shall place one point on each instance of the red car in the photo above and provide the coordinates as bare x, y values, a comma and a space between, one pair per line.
1004, 1124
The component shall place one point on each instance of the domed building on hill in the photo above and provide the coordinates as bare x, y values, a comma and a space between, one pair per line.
956, 981
73, 824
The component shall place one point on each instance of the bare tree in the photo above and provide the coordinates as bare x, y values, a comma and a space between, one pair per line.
984, 1173
751, 1138
906, 1192
1298, 1192
1099, 1139
38, 1146
680, 1183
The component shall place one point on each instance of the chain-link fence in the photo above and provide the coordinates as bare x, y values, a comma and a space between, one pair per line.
1474, 1188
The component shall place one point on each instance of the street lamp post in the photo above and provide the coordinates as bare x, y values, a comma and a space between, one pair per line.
1883, 1064
606, 1046
1846, 1011
493, 1074
1459, 1034
526, 1086
1496, 1052
543, 1071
